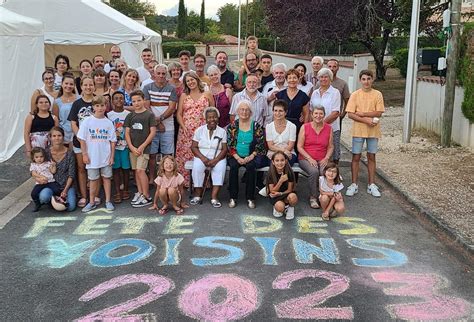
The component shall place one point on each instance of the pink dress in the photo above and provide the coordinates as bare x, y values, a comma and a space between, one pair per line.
192, 118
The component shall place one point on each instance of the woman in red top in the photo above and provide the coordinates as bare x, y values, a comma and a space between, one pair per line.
315, 148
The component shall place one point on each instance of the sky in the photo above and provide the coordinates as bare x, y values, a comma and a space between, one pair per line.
170, 7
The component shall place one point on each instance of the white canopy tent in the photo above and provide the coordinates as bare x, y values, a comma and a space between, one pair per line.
20, 75
89, 22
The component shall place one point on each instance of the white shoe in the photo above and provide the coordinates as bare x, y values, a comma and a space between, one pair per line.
251, 204
352, 190
136, 196
277, 214
290, 213
374, 190
232, 203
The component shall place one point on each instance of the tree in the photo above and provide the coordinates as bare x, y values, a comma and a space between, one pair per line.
133, 9
202, 26
182, 23
307, 25
229, 17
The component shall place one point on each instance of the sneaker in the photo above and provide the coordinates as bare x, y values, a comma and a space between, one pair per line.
373, 190
232, 203
136, 196
142, 202
290, 213
89, 207
352, 190
109, 206
251, 204
276, 213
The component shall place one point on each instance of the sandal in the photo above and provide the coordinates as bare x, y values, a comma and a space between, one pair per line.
117, 198
216, 203
125, 195
179, 211
163, 211
333, 214
195, 201
82, 203
313, 203
325, 217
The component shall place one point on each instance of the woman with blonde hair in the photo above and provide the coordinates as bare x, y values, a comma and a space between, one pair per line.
129, 83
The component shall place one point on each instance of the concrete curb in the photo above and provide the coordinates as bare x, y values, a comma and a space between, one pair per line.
15, 202
426, 213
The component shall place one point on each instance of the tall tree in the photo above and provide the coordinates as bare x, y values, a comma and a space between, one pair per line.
307, 25
182, 15
133, 9
229, 16
202, 26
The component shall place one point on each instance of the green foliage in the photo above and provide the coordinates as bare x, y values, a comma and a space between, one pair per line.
202, 21
252, 19
182, 20
133, 9
467, 70
166, 22
206, 38
193, 22
400, 61
173, 48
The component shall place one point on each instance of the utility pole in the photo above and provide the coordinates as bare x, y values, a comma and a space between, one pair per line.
452, 61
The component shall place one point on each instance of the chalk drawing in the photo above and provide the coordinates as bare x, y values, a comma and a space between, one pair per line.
40, 224
89, 226
424, 286
172, 255
311, 225
100, 210
135, 225
176, 223
101, 256
158, 286
260, 224
358, 229
304, 307
268, 245
392, 257
305, 252
241, 298
235, 254
62, 254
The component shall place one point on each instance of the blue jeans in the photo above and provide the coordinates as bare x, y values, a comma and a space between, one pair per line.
46, 194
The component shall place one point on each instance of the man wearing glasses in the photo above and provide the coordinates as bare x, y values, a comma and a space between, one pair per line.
252, 62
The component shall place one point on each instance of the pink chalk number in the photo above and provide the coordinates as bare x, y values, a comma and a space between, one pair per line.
158, 286
425, 286
241, 298
303, 307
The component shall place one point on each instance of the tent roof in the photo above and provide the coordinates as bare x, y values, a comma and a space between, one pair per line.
13, 24
83, 22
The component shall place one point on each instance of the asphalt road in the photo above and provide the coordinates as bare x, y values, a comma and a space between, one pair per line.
376, 263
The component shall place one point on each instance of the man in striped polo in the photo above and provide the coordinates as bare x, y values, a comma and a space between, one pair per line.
161, 99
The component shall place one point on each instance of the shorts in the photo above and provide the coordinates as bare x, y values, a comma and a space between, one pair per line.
76, 150
139, 162
121, 159
94, 174
358, 143
163, 142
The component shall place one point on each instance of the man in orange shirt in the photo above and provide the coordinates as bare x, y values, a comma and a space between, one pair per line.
365, 107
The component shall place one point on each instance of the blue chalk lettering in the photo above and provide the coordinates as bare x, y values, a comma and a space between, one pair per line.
100, 257
235, 254
305, 252
268, 245
172, 255
392, 258
62, 254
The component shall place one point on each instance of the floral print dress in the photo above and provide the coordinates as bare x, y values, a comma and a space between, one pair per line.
192, 118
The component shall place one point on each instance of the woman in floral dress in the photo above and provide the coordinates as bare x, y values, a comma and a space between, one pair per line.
190, 116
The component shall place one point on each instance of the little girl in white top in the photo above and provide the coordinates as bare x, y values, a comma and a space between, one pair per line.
330, 196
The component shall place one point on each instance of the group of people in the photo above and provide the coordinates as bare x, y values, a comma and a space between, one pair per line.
162, 120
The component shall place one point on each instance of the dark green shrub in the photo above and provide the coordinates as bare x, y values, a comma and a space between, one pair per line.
175, 47
400, 61
466, 71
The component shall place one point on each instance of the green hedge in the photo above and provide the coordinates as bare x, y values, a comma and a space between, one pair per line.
400, 61
467, 72
175, 47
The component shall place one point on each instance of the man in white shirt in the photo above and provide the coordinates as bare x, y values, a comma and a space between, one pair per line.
317, 63
278, 84
144, 72
261, 112
115, 53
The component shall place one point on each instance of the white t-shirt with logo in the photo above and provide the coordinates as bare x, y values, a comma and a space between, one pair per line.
118, 119
98, 133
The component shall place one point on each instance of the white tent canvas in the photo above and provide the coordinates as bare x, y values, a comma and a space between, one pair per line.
89, 22
21, 65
